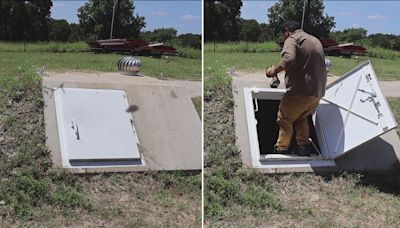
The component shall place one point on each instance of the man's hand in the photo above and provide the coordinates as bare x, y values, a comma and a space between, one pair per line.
271, 72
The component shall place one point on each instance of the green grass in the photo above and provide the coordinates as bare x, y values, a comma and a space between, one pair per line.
44, 47
231, 55
382, 53
197, 101
38, 195
394, 103
189, 53
75, 47
240, 197
27, 179
243, 47
386, 69
173, 67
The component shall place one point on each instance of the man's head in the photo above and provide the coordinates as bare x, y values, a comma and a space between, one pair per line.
289, 27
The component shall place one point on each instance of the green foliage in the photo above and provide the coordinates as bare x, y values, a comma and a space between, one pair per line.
267, 33
49, 47
258, 196
216, 78
351, 35
94, 19
221, 20
180, 181
383, 41
25, 20
222, 191
377, 40
28, 181
76, 33
75, 47
315, 22
171, 67
242, 47
190, 40
197, 104
227, 185
60, 30
159, 35
189, 53
238, 56
381, 53
250, 30
395, 106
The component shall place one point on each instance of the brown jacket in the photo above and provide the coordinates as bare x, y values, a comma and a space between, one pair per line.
304, 61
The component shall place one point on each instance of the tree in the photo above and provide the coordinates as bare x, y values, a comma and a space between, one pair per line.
76, 33
95, 19
379, 40
250, 30
60, 30
395, 43
350, 35
24, 20
159, 35
221, 19
267, 33
190, 40
315, 23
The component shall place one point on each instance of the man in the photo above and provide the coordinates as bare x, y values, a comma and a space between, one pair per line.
304, 62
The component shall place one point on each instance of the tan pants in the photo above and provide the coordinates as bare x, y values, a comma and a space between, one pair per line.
293, 112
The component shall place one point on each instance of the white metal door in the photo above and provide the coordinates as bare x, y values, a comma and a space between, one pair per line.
94, 124
352, 112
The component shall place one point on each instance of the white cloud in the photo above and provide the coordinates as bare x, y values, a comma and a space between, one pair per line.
378, 17
159, 13
58, 4
190, 17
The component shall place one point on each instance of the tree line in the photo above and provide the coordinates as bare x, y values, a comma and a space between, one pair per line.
224, 23
30, 20
359, 36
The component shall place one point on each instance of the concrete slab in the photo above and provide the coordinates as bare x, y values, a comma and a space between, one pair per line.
167, 124
193, 88
382, 153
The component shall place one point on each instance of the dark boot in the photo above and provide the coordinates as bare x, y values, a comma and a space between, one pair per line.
303, 150
277, 151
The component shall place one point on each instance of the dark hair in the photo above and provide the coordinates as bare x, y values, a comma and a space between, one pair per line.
291, 26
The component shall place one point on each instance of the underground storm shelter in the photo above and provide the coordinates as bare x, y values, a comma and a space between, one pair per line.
110, 122
352, 112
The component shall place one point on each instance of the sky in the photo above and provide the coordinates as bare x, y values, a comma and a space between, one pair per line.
183, 15
374, 16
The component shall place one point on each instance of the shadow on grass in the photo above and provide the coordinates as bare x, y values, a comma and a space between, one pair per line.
385, 182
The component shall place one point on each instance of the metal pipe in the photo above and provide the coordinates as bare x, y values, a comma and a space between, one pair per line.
304, 13
112, 20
